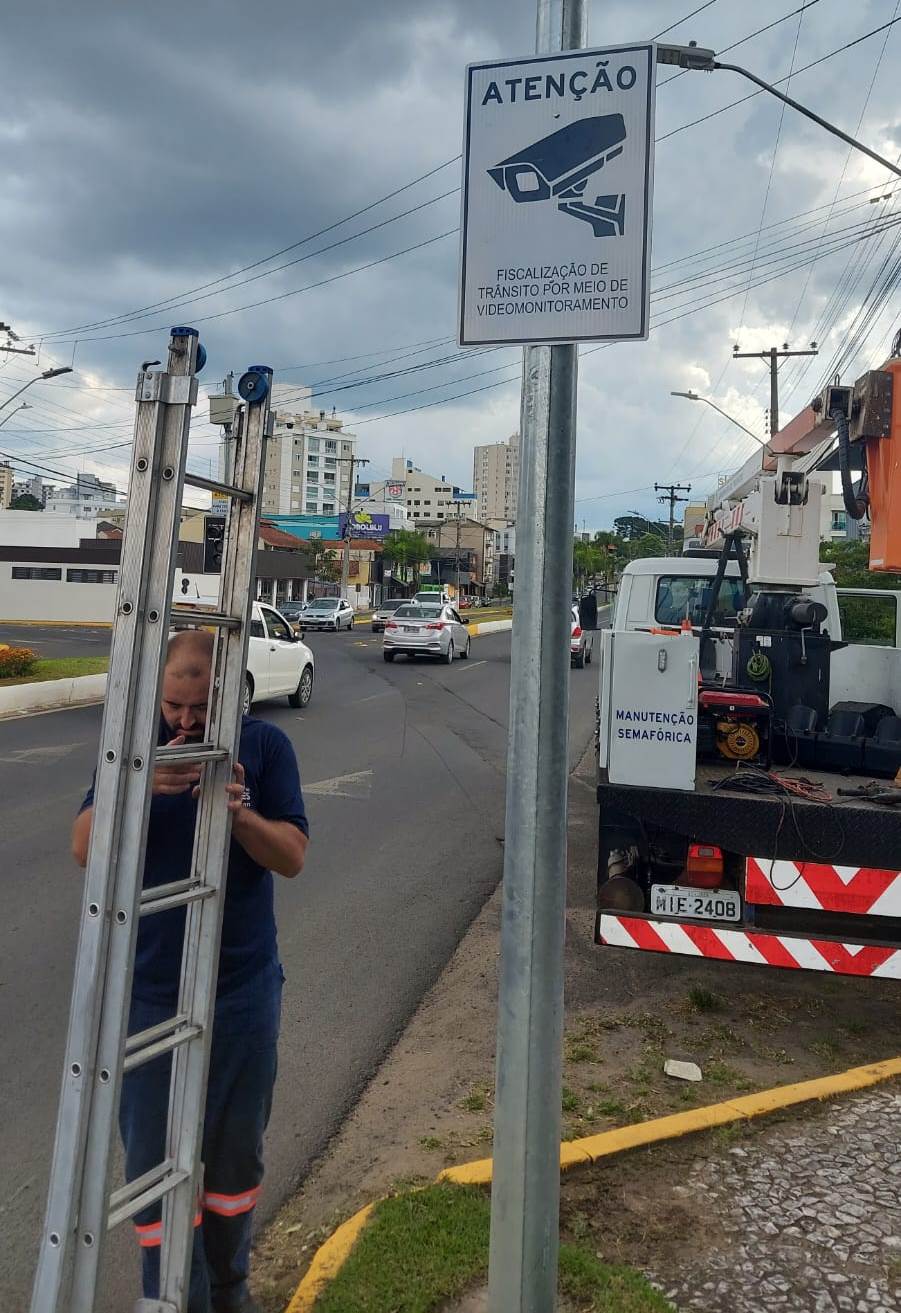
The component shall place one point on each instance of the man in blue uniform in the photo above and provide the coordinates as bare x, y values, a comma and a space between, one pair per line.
269, 833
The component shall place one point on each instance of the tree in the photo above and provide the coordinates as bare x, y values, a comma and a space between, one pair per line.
649, 544
632, 527
864, 619
587, 561
406, 549
26, 502
324, 564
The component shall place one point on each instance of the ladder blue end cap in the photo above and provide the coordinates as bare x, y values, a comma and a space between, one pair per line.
183, 332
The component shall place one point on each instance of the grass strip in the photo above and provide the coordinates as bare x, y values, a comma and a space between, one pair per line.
423, 1248
60, 668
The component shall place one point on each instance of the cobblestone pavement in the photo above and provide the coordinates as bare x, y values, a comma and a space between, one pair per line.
808, 1218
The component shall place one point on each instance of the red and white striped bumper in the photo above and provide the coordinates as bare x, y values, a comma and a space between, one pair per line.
857, 890
754, 946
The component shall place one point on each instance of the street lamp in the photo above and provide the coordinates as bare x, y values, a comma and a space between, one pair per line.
23, 405
693, 396
48, 373
694, 57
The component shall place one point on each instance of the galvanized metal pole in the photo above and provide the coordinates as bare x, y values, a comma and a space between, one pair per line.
525, 1196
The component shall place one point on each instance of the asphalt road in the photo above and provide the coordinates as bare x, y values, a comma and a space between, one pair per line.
403, 772
59, 640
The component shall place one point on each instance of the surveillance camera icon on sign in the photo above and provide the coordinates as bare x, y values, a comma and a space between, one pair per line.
558, 168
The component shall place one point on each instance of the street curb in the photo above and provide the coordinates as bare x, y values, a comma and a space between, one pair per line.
51, 694
489, 627
331, 1256
59, 624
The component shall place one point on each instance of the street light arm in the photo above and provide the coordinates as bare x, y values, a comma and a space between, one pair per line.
809, 113
736, 422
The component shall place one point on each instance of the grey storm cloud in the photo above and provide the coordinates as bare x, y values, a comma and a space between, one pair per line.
149, 151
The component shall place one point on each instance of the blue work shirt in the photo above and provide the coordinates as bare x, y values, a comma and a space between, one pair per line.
272, 782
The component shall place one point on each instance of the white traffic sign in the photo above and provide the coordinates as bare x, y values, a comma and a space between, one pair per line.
557, 186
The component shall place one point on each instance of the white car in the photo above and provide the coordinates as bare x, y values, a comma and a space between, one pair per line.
429, 630
278, 663
327, 613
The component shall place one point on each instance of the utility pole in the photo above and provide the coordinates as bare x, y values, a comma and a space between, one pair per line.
353, 461
458, 505
772, 357
8, 344
670, 491
525, 1192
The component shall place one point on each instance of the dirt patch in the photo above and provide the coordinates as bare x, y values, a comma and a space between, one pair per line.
431, 1103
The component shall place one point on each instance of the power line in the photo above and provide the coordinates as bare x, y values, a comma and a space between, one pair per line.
840, 50
769, 181
265, 259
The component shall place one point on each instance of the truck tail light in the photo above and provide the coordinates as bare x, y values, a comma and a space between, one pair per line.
577, 631
703, 866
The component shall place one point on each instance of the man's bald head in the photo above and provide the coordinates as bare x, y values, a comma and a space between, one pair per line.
186, 682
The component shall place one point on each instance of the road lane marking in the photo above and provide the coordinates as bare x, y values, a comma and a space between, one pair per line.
471, 665
356, 785
389, 693
40, 756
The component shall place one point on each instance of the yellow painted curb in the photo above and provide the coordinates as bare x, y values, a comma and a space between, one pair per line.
330, 1257
60, 624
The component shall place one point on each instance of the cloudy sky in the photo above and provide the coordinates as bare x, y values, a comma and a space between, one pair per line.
150, 152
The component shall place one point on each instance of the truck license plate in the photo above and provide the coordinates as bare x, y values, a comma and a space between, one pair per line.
695, 904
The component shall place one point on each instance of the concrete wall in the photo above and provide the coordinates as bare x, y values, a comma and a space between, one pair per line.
43, 529
52, 599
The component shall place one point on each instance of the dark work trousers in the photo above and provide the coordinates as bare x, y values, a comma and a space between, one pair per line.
239, 1098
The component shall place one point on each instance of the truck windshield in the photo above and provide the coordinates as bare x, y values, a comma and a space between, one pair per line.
686, 597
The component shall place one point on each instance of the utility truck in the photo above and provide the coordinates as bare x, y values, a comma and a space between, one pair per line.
749, 752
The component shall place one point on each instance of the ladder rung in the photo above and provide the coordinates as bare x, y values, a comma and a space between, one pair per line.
179, 893
211, 485
205, 618
185, 754
145, 1046
142, 1192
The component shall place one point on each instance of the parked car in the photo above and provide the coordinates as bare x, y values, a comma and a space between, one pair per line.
385, 612
328, 613
293, 613
429, 630
581, 642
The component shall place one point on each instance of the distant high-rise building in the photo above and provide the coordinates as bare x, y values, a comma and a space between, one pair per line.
495, 480
6, 485
307, 458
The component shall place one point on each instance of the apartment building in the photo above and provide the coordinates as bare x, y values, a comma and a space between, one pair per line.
495, 481
427, 496
308, 457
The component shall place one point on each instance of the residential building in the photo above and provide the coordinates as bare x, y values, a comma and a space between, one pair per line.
427, 496
495, 481
33, 487
475, 543
308, 457
86, 498
6, 485
504, 555
383, 497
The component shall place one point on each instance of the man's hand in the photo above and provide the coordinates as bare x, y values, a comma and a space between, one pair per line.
235, 792
170, 779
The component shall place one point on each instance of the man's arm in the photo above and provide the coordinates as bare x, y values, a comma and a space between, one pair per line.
81, 835
278, 845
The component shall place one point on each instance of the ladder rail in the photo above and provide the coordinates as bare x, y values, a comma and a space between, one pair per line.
158, 562
197, 991
72, 1237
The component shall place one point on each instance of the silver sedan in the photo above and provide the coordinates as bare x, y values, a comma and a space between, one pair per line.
420, 629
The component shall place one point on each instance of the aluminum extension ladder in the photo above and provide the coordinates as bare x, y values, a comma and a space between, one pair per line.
80, 1207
